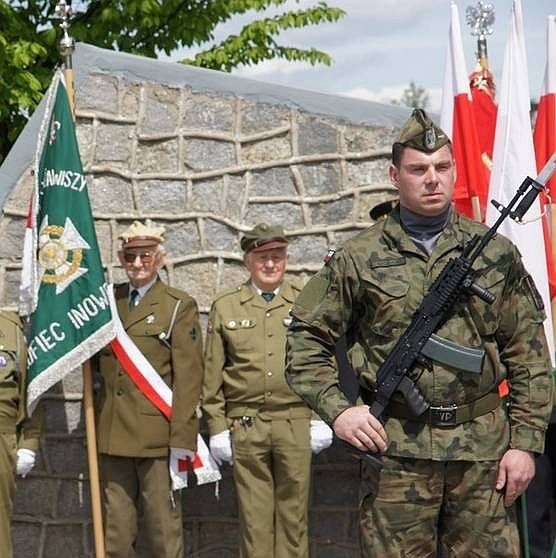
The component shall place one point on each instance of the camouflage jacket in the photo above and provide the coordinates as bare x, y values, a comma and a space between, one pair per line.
369, 291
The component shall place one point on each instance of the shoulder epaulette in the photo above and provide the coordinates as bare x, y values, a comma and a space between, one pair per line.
177, 293
118, 286
296, 284
227, 292
12, 317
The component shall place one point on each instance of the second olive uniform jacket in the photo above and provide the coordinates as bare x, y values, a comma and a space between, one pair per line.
244, 358
128, 424
17, 430
13, 368
369, 291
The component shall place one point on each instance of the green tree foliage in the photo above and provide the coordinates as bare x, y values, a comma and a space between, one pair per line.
29, 40
413, 96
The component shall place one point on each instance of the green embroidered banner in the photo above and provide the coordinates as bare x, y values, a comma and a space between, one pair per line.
63, 285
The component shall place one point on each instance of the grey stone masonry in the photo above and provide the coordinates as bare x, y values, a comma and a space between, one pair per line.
207, 155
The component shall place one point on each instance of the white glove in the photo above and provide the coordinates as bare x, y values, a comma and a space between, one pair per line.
178, 466
321, 436
25, 461
221, 447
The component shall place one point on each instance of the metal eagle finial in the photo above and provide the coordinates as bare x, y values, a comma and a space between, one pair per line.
481, 19
67, 43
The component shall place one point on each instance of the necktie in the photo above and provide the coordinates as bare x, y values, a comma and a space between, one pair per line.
267, 296
133, 298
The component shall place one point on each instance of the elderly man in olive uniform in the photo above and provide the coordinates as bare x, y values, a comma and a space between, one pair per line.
252, 414
450, 477
134, 439
19, 434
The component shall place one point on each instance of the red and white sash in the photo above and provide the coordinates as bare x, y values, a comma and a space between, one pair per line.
153, 387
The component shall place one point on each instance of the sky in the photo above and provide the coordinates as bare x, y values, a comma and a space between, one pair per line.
380, 46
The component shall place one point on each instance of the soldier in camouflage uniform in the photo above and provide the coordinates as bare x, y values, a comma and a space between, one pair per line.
450, 476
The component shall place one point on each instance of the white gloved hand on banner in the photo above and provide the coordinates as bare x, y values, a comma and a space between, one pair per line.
221, 447
180, 464
321, 436
205, 467
25, 461
201, 463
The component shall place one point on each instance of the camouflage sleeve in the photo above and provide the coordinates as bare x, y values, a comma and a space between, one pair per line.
213, 401
525, 355
320, 317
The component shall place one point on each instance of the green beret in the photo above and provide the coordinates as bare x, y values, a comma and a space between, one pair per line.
263, 237
421, 133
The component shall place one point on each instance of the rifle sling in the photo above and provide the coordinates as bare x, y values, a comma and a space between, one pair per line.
449, 415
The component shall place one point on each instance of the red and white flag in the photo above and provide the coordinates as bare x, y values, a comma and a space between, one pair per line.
481, 82
514, 159
544, 138
458, 121
28, 282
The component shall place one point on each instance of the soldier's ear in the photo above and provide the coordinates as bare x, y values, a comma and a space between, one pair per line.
161, 260
394, 175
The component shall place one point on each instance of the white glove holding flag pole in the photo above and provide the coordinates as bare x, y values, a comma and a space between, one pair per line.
321, 436
25, 461
221, 447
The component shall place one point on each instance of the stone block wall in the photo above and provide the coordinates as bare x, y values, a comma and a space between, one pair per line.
208, 166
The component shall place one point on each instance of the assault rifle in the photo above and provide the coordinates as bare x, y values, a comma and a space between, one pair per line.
455, 281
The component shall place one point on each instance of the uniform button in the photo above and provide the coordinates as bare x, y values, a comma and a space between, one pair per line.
270, 353
268, 314
269, 374
269, 393
270, 334
120, 392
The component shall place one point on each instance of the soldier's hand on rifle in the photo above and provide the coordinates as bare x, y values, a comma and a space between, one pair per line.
515, 472
362, 430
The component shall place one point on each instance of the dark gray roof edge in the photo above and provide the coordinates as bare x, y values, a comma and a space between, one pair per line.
22, 153
89, 59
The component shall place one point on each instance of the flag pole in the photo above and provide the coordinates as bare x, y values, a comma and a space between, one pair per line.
67, 47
